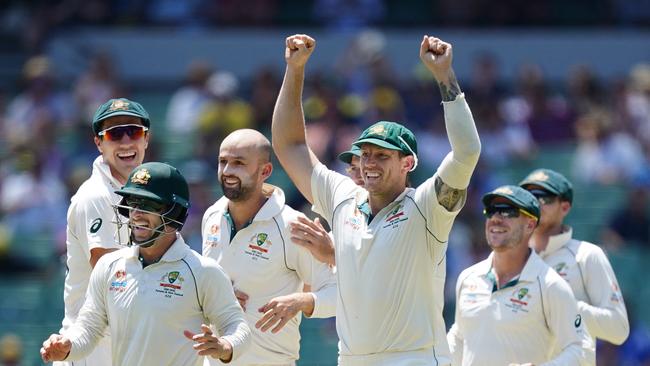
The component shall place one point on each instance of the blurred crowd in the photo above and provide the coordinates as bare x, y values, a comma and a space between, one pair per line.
46, 146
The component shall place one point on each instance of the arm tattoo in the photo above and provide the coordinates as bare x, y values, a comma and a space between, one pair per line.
449, 92
448, 197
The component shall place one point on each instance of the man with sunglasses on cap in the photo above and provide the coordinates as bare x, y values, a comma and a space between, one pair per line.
247, 232
582, 264
121, 135
390, 240
156, 292
512, 308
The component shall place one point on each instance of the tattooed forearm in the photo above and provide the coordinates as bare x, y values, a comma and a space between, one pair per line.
449, 89
448, 197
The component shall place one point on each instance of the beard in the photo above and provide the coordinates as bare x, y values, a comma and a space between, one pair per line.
237, 193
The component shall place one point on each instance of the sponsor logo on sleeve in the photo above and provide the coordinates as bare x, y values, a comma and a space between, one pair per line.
96, 225
119, 282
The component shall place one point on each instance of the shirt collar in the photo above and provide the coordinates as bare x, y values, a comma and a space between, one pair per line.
528, 273
556, 242
101, 168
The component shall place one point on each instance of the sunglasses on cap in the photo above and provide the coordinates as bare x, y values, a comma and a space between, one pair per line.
544, 197
115, 133
143, 204
506, 211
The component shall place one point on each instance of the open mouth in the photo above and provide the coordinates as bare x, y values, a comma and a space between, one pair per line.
126, 156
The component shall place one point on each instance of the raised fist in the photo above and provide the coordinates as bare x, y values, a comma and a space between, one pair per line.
299, 48
436, 55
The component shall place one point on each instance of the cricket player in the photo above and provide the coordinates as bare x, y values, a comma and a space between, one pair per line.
121, 128
390, 240
247, 232
582, 264
512, 308
152, 293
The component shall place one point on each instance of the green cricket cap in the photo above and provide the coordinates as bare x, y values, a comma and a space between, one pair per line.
346, 156
119, 107
551, 181
518, 196
389, 135
158, 182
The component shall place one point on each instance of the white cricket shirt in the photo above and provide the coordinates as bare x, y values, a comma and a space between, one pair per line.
591, 277
390, 272
262, 261
524, 321
147, 309
91, 224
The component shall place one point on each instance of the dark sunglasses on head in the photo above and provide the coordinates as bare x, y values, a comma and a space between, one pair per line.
544, 197
145, 204
115, 133
505, 211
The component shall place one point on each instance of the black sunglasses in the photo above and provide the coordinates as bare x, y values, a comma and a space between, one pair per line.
135, 132
505, 211
145, 204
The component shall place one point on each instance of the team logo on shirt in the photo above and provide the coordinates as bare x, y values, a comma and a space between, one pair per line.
561, 269
258, 246
119, 283
212, 239
395, 217
519, 300
171, 284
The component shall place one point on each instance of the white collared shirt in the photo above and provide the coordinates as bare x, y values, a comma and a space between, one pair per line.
391, 272
262, 262
147, 309
525, 321
591, 277
91, 224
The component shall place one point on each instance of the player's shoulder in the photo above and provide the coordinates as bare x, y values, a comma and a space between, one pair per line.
217, 208
476, 269
92, 189
586, 251
204, 266
106, 260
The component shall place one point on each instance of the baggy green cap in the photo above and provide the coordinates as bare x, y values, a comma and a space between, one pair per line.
551, 181
119, 107
158, 182
518, 196
346, 156
389, 135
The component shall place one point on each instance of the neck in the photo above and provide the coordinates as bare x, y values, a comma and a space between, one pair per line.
378, 201
509, 263
243, 212
153, 253
121, 179
541, 236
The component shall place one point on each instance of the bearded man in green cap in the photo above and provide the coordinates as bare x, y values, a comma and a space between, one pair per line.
390, 240
121, 129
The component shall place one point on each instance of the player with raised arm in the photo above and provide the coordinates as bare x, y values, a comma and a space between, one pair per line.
390, 240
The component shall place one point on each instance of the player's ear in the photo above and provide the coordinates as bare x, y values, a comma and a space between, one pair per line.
267, 169
98, 143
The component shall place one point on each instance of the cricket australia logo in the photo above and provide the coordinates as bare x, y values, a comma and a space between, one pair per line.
171, 284
142, 176
396, 216
561, 269
539, 176
519, 300
258, 246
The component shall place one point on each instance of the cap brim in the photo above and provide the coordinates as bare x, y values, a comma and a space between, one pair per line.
544, 185
346, 157
378, 142
137, 192
487, 199
121, 113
